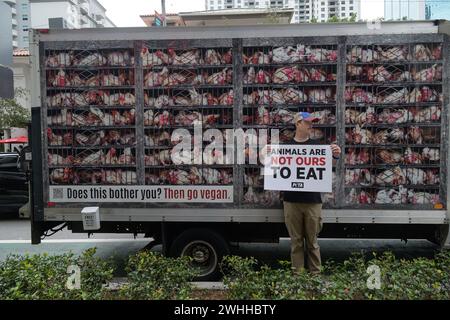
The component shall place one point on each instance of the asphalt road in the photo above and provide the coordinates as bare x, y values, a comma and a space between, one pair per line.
15, 239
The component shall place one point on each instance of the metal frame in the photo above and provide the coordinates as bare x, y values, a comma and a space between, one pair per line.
423, 32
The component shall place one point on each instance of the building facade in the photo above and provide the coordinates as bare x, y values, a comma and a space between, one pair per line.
15, 34
23, 22
404, 9
304, 10
22, 76
41, 14
72, 14
437, 10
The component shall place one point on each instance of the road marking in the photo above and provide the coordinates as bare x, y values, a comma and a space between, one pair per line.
77, 241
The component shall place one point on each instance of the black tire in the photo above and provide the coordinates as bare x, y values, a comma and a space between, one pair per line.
209, 248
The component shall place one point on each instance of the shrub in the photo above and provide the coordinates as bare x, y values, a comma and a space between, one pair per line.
44, 277
400, 279
152, 277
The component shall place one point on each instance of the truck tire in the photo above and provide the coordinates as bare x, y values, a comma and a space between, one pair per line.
206, 247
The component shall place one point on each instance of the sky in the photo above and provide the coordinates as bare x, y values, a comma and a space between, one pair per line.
125, 13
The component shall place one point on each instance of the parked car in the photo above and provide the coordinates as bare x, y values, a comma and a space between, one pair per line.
13, 184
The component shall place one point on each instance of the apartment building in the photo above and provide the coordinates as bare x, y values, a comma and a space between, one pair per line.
304, 10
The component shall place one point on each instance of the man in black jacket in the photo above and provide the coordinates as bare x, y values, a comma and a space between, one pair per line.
303, 210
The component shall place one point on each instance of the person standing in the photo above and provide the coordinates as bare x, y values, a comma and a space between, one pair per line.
303, 210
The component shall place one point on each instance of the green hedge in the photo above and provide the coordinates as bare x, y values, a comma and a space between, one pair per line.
399, 279
45, 277
152, 276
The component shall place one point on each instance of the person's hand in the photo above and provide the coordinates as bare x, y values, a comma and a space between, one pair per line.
336, 150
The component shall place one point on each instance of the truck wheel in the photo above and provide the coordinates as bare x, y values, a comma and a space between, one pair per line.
206, 247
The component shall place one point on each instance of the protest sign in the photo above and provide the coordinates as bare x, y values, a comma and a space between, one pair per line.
305, 168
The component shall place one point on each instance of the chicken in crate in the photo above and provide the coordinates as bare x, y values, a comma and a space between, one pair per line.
393, 118
186, 89
279, 82
91, 117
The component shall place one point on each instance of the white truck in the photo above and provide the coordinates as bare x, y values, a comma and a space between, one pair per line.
108, 102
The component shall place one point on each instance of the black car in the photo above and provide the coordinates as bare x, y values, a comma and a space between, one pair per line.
13, 184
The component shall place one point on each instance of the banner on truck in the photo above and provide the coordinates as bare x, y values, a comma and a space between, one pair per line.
194, 194
305, 168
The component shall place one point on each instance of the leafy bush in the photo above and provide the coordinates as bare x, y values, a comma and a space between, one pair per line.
399, 279
152, 277
45, 277
12, 114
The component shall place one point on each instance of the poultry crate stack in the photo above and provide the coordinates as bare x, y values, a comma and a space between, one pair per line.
184, 89
279, 82
90, 103
393, 112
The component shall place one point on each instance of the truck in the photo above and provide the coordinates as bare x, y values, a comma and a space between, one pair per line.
114, 105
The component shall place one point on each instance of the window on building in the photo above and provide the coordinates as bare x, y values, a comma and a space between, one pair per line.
25, 29
229, 6
351, 8
343, 8
332, 9
322, 15
343, 14
322, 3
342, 2
332, 3
25, 38
351, 1
323, 9
25, 17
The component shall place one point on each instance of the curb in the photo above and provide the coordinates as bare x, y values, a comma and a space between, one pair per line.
118, 283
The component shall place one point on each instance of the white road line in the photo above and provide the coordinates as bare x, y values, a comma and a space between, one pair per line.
76, 241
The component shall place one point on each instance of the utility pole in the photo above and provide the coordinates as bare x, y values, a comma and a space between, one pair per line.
163, 9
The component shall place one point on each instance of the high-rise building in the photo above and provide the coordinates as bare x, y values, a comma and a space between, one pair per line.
39, 14
15, 33
437, 10
72, 14
23, 22
304, 10
404, 9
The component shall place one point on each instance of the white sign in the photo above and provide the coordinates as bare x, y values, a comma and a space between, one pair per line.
140, 194
91, 218
305, 168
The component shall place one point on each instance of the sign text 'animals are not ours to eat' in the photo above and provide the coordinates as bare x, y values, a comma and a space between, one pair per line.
305, 168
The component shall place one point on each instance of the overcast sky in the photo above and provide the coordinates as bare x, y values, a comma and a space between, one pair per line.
125, 13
